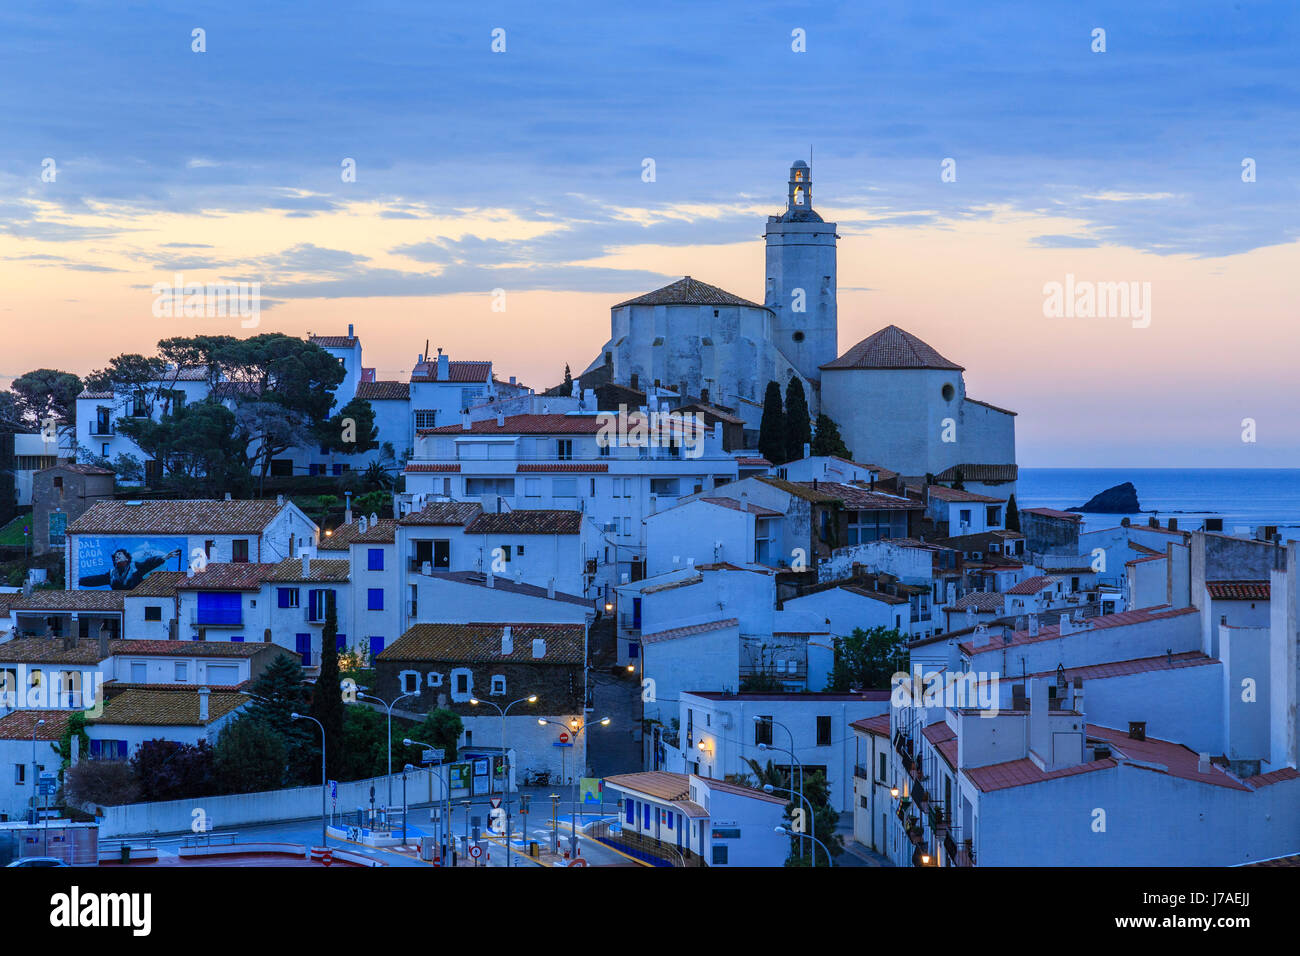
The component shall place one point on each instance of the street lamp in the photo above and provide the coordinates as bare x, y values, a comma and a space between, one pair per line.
577, 732
759, 719
768, 788
788, 832
324, 837
505, 757
446, 790
390, 734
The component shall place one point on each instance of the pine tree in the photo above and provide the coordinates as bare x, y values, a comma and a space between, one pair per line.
1013, 515
568, 379
771, 428
798, 426
277, 694
327, 699
827, 441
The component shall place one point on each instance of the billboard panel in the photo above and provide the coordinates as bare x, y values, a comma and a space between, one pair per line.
119, 563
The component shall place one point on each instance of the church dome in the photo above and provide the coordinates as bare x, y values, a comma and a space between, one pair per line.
892, 348
688, 291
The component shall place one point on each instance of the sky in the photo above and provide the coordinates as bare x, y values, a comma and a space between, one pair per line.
522, 170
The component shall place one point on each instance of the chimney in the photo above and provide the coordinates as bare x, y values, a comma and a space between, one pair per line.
704, 396
1137, 729
1173, 524
507, 641
227, 496
464, 420
306, 564
490, 579
539, 647
103, 643
501, 419
350, 333
1203, 764
444, 367
279, 501
550, 589
1078, 694
347, 507
681, 389
203, 705
632, 382
744, 501
807, 450
512, 380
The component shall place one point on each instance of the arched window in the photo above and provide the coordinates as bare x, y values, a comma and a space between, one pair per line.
798, 195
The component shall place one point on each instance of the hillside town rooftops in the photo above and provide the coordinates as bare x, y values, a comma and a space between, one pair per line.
81, 600
444, 514
384, 391
509, 586
157, 584
191, 516
980, 600
749, 507
50, 650
959, 495
319, 570
334, 341
166, 705
1033, 585
458, 371
383, 531
974, 471
1052, 632
877, 725
23, 724
228, 576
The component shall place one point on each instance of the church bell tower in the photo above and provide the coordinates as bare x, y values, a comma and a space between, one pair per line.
801, 279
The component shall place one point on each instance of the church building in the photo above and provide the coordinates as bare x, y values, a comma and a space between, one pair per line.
897, 401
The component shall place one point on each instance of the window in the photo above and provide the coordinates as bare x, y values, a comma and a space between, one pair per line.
763, 730
219, 609
666, 487
374, 599
564, 449
964, 516
478, 487
441, 554
498, 684
410, 682
823, 731
994, 515
287, 597
20, 775
239, 550
462, 684
882, 772
425, 417
505, 552
139, 672
532, 487
435, 679
604, 449
564, 487
720, 849
376, 645
180, 672
153, 612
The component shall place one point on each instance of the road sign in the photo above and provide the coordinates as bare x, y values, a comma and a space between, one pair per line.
496, 802
564, 736
476, 851
334, 789
48, 784
431, 755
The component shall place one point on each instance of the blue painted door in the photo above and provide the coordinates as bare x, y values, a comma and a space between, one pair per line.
303, 647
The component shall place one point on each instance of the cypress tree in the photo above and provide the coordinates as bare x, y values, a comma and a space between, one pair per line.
827, 441
1013, 515
327, 700
771, 428
798, 426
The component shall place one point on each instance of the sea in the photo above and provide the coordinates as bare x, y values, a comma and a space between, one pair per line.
1244, 498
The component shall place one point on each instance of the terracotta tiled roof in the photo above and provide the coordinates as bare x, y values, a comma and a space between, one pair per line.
131, 647
753, 463
713, 411
564, 467
444, 513
482, 642
688, 291
50, 650
319, 570
383, 531
859, 497
979, 600
1138, 665
462, 371
689, 630
1033, 585
800, 489
892, 348
1052, 632
672, 788
384, 391
960, 494
20, 724
79, 469
158, 584
686, 582
527, 522
1178, 761
168, 705
228, 576
479, 579
1143, 549
191, 516
978, 472
334, 341
550, 424
85, 600
1052, 513
1239, 590
1275, 776
726, 786
1018, 773
878, 725
418, 467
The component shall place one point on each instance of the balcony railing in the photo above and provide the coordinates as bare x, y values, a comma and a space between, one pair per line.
100, 431
217, 618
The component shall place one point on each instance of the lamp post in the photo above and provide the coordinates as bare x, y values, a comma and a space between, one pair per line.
768, 788
505, 758
777, 723
445, 835
577, 730
324, 785
390, 733
35, 772
788, 832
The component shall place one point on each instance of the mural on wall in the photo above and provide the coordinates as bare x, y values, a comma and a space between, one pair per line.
120, 563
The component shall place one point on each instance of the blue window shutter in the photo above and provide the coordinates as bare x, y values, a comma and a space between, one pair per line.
376, 645
375, 559
302, 644
284, 596
237, 638
121, 750
636, 612
340, 642
219, 607
633, 649
375, 599
631, 810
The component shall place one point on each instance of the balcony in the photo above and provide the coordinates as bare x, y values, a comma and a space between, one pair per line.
101, 430
217, 618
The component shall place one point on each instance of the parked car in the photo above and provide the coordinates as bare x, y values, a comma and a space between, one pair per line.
38, 861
